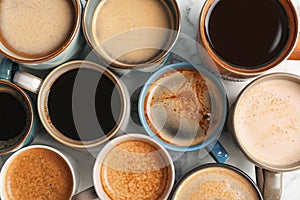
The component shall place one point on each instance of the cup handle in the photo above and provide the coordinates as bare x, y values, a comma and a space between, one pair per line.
296, 53
269, 183
7, 69
28, 81
218, 152
88, 194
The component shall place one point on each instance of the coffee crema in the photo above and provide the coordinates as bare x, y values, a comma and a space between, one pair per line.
145, 23
267, 121
135, 169
38, 174
215, 183
35, 28
178, 107
84, 104
248, 34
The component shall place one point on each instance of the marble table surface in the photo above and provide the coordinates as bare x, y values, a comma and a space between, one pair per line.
186, 48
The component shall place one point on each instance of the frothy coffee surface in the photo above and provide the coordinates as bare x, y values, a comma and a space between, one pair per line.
178, 106
115, 23
215, 183
35, 28
267, 121
135, 169
38, 174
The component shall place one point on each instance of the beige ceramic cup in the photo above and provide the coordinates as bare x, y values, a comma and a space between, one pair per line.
132, 35
44, 43
89, 119
265, 122
291, 48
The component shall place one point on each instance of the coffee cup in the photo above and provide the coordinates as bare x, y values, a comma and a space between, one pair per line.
132, 34
17, 115
131, 166
80, 104
265, 122
37, 172
216, 181
243, 39
184, 107
40, 34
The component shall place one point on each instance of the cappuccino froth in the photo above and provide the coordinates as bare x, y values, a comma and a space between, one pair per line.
267, 121
34, 28
215, 183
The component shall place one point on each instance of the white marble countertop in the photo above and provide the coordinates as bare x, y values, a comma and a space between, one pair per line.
190, 10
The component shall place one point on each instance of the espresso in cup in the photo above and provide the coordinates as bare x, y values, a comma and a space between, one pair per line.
38, 173
245, 38
63, 106
15, 116
133, 166
178, 107
216, 182
81, 104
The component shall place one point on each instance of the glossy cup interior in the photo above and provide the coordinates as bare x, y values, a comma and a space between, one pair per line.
43, 104
218, 106
112, 144
13, 156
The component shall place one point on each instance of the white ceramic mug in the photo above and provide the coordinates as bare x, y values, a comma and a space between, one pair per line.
8, 165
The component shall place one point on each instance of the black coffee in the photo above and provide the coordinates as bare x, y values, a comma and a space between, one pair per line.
84, 104
247, 33
13, 116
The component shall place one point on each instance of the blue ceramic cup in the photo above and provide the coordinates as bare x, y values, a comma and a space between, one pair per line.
17, 115
184, 107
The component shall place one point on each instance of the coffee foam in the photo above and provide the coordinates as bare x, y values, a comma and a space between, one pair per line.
178, 107
34, 28
215, 183
38, 173
267, 121
135, 169
116, 22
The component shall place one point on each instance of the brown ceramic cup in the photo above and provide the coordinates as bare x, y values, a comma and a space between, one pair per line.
230, 46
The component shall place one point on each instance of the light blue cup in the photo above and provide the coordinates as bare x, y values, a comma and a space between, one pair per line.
164, 109
7, 70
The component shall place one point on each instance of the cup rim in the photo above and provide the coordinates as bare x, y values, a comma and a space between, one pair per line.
43, 99
128, 136
217, 165
238, 72
120, 65
257, 161
35, 146
183, 65
19, 144
77, 9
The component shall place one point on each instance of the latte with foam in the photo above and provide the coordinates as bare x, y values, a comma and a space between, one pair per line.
267, 121
215, 183
34, 28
